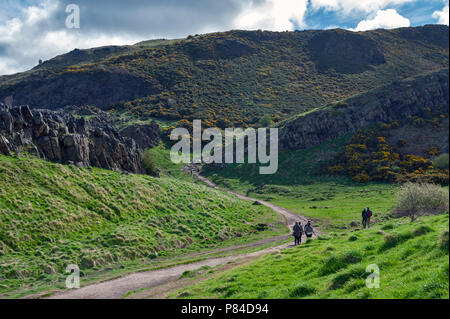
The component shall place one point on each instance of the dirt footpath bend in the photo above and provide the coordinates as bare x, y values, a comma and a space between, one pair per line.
284, 213
118, 288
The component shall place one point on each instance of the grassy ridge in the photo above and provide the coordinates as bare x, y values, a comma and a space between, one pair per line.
412, 259
53, 215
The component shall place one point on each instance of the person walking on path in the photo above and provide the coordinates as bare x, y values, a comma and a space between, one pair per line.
364, 218
369, 215
297, 233
309, 231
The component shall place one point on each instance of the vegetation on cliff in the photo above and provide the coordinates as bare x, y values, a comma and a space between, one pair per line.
233, 78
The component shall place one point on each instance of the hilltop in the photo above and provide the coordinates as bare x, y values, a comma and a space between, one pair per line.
231, 78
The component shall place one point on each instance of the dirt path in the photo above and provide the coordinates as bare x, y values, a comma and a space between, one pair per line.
118, 288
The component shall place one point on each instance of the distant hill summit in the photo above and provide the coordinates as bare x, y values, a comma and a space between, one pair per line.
231, 78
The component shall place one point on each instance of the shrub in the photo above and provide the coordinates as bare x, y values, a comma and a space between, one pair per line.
353, 238
265, 121
392, 240
335, 263
418, 199
387, 226
149, 163
422, 230
341, 279
301, 291
441, 161
444, 242
402, 142
332, 265
352, 257
362, 178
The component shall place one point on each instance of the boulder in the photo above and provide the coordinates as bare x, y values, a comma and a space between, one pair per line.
4, 146
146, 136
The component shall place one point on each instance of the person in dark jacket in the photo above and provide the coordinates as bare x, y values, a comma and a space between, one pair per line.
369, 215
364, 218
298, 231
309, 231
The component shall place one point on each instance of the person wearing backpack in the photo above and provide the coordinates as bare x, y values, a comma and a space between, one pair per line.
369, 214
364, 218
298, 231
309, 231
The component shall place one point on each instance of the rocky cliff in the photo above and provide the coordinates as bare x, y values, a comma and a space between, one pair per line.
394, 102
67, 137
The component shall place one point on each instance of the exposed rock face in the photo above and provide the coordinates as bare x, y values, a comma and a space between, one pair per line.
61, 137
390, 103
146, 136
220, 48
344, 51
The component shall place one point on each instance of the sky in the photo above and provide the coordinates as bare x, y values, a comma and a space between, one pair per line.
31, 30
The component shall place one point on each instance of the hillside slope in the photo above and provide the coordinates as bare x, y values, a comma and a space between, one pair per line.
412, 259
386, 104
53, 215
231, 78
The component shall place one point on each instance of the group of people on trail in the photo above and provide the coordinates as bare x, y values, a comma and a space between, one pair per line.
366, 215
299, 230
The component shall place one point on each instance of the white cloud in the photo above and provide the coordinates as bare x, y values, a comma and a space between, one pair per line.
273, 15
442, 16
32, 32
384, 19
349, 6
23, 40
8, 65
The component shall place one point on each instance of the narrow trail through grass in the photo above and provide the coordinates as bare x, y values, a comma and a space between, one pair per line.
121, 287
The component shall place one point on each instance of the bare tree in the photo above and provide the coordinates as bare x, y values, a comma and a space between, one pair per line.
413, 200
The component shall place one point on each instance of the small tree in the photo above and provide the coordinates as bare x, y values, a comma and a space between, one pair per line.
265, 121
419, 199
149, 163
441, 161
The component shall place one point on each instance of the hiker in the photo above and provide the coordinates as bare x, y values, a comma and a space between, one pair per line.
309, 231
369, 214
298, 231
364, 218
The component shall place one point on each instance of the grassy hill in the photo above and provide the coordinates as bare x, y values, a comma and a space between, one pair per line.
53, 215
412, 259
231, 78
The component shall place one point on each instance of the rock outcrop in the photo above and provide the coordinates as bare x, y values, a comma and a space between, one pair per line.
145, 135
344, 51
66, 137
394, 102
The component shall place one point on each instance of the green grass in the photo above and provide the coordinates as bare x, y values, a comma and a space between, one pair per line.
295, 167
53, 215
300, 186
412, 258
161, 155
337, 206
